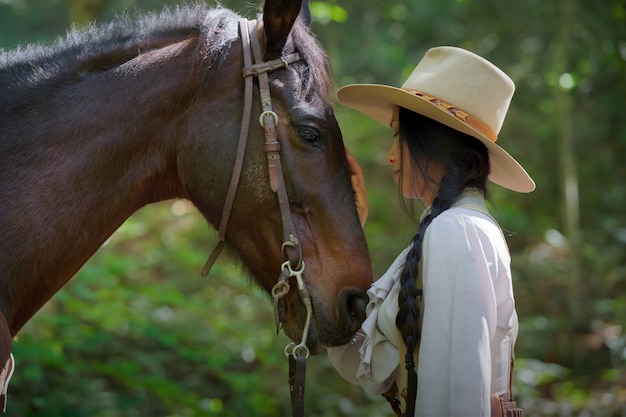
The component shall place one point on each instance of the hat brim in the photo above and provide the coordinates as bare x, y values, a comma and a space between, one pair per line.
380, 101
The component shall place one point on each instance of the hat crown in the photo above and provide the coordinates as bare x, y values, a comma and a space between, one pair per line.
465, 80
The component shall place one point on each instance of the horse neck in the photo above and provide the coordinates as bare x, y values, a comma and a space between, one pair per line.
119, 147
101, 149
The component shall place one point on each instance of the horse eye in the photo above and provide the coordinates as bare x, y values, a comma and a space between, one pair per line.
309, 134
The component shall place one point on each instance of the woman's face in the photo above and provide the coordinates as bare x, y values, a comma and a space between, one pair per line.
411, 185
407, 174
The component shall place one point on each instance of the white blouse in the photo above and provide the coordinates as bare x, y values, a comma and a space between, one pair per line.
469, 325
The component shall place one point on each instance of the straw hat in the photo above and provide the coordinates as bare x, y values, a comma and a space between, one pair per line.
458, 89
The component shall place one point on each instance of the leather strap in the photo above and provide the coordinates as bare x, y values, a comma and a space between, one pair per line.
504, 406
241, 150
251, 49
297, 377
269, 66
272, 148
291, 247
474, 122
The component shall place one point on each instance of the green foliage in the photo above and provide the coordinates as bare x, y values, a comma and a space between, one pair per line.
325, 12
138, 333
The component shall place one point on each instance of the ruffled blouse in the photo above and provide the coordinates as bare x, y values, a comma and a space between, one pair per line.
469, 324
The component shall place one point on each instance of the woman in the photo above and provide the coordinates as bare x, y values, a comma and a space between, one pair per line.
441, 321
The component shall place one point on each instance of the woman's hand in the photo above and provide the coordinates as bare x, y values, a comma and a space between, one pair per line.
358, 187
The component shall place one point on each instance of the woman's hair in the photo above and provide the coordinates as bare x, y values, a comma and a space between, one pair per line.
465, 162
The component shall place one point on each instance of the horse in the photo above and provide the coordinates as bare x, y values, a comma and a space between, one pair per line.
147, 108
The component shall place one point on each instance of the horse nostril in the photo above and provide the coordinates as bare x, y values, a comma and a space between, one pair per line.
354, 302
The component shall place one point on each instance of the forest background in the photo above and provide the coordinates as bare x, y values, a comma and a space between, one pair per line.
138, 333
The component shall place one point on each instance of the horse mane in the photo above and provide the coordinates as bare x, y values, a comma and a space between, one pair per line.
128, 31
30, 72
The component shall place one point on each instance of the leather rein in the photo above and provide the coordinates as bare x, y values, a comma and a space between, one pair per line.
293, 266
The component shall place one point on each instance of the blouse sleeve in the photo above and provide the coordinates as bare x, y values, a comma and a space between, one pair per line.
371, 359
459, 322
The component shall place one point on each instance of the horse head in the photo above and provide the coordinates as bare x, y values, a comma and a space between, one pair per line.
329, 238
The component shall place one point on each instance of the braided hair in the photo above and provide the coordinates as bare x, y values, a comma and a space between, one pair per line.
465, 162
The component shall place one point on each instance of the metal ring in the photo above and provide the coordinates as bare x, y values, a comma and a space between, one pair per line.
293, 243
267, 113
289, 348
280, 289
293, 348
305, 350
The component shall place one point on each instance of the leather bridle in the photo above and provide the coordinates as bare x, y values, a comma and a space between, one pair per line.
293, 266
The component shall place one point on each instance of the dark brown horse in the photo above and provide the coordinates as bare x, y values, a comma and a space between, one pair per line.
116, 117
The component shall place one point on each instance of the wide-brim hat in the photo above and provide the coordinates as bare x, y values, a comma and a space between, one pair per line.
459, 89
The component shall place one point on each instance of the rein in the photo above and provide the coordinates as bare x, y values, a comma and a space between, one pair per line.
293, 266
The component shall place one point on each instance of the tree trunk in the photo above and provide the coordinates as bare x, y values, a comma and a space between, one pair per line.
567, 154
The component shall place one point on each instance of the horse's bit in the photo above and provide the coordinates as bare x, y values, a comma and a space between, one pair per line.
291, 249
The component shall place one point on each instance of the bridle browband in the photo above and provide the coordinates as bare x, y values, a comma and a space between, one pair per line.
293, 266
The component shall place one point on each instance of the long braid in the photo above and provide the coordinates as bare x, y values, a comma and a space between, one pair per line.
466, 165
408, 319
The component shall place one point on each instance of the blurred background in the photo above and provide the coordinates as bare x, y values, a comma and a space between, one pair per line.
138, 332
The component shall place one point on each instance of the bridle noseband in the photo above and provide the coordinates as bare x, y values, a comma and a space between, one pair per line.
293, 266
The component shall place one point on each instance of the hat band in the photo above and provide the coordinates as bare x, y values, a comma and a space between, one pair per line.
463, 116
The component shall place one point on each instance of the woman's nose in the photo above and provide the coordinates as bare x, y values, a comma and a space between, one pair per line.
392, 155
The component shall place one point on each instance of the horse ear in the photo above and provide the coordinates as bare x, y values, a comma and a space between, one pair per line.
278, 19
305, 12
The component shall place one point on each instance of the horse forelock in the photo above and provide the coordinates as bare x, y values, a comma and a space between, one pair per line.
316, 75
